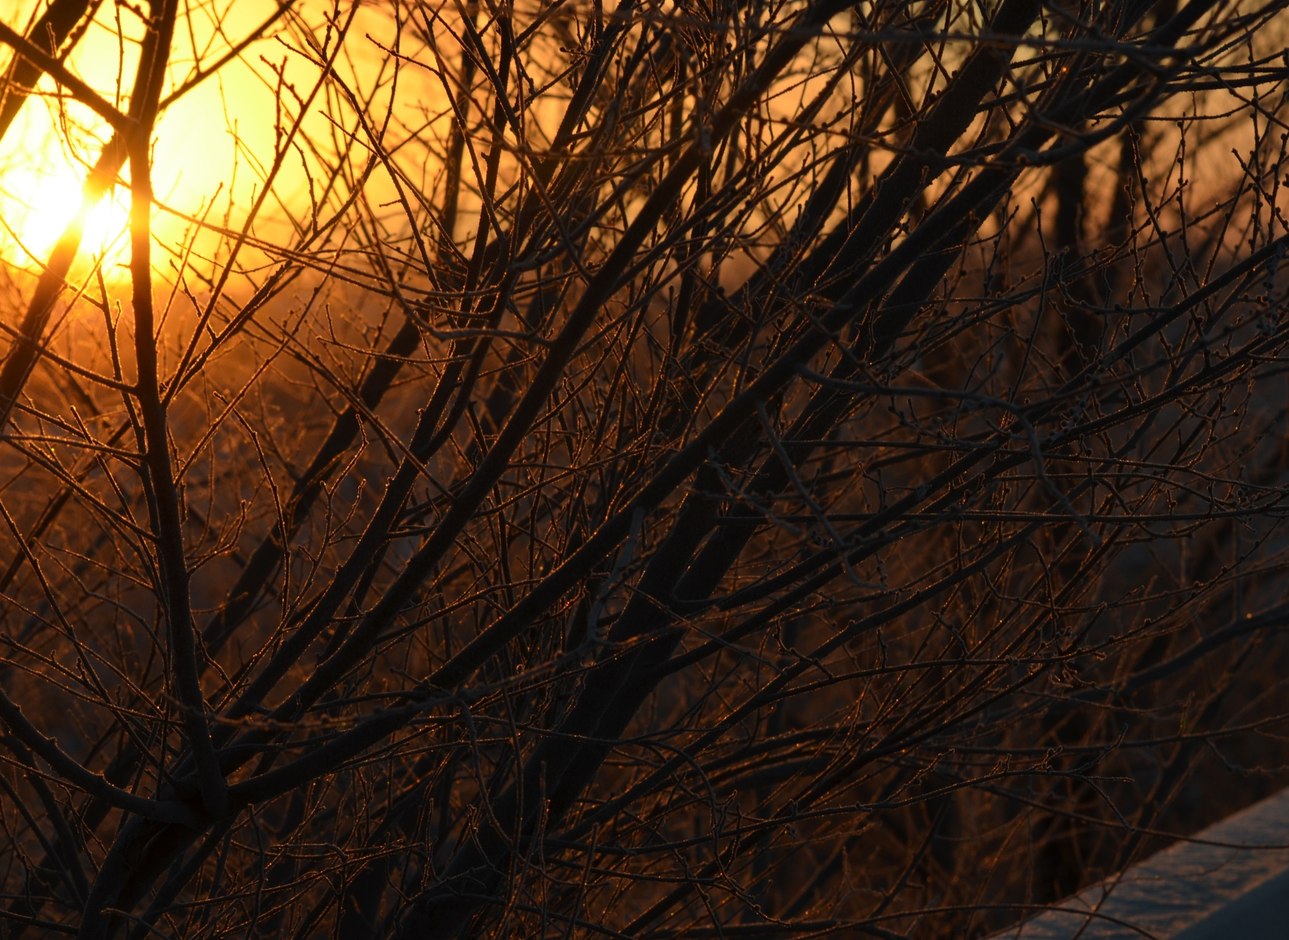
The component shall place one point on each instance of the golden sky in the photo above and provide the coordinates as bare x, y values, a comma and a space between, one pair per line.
213, 147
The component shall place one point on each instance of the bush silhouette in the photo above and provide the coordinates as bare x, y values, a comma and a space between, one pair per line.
676, 469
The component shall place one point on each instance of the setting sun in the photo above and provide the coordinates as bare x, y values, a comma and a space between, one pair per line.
44, 162
211, 145
41, 202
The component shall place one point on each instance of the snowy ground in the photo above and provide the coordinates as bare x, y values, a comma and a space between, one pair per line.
1229, 881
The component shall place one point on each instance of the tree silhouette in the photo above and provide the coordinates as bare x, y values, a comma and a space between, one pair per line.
689, 468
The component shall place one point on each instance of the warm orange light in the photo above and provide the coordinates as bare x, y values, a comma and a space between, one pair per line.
43, 198
220, 151
45, 156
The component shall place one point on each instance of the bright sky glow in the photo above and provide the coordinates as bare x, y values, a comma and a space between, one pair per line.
41, 201
216, 149
46, 154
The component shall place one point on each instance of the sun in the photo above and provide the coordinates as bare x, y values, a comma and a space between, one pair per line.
41, 200
214, 157
45, 158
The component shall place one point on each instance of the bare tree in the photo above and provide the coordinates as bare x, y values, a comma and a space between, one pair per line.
689, 468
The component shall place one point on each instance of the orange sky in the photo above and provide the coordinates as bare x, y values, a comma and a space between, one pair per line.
212, 147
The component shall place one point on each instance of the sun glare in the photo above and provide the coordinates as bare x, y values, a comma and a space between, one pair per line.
44, 160
40, 202
214, 148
